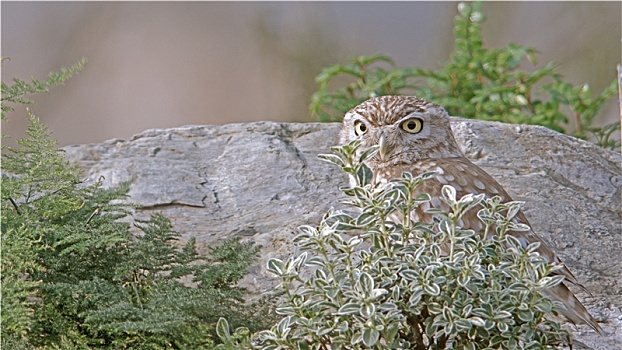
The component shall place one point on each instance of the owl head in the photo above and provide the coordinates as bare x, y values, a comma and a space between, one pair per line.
406, 128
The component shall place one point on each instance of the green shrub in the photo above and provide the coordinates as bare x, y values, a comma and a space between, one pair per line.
363, 281
476, 82
79, 272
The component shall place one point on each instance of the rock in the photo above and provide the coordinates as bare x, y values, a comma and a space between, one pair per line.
261, 180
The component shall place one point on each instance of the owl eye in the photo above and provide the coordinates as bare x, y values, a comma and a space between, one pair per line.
412, 125
359, 128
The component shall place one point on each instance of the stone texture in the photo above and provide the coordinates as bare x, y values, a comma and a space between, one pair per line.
261, 180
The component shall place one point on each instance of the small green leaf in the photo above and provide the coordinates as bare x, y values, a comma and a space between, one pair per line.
463, 325
333, 159
366, 218
409, 275
316, 261
449, 193
368, 310
550, 281
370, 337
501, 314
525, 315
435, 308
222, 329
267, 335
369, 153
477, 321
364, 175
282, 328
349, 308
366, 282
276, 266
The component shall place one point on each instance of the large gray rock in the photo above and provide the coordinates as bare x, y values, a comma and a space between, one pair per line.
262, 180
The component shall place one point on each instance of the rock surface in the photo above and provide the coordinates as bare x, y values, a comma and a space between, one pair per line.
261, 180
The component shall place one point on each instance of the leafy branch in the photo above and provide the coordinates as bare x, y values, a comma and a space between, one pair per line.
476, 82
17, 92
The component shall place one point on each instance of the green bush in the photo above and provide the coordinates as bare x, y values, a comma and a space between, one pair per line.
363, 281
476, 82
79, 272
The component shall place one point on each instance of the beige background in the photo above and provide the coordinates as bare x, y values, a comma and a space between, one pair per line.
165, 64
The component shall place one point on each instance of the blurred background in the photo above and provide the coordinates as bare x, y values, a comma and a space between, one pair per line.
166, 64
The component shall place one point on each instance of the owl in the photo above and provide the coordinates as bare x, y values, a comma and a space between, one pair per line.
414, 135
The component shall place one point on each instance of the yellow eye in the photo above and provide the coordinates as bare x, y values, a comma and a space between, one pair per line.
412, 125
359, 128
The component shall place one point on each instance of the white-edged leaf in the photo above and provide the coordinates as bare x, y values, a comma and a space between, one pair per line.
333, 159
449, 193
409, 275
550, 281
276, 266
222, 329
368, 310
349, 308
366, 282
369, 153
267, 335
364, 175
316, 261
477, 321
366, 218
282, 328
370, 337
513, 209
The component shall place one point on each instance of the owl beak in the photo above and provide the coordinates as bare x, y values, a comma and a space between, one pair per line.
384, 147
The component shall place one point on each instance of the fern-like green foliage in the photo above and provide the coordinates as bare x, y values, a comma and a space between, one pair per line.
364, 281
79, 272
476, 82
17, 92
74, 275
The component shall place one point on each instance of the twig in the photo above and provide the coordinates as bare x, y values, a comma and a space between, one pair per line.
91, 217
15, 206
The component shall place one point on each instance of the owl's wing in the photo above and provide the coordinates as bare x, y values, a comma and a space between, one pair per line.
466, 178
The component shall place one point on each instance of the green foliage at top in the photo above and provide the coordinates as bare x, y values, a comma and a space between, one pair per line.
476, 82
17, 92
79, 272
364, 281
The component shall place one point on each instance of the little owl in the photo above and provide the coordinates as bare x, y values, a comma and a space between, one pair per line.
414, 135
